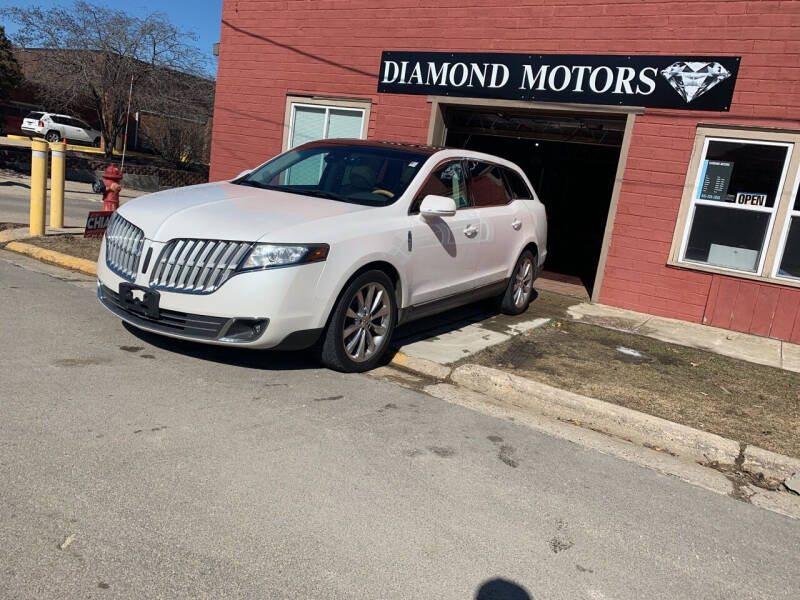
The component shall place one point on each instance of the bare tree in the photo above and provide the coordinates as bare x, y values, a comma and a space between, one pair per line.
88, 55
178, 140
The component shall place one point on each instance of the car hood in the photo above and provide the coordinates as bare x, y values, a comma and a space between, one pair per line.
227, 211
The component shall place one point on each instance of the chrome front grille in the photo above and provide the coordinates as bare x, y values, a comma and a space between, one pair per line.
197, 266
124, 243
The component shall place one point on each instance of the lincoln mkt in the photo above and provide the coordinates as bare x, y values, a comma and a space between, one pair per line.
661, 136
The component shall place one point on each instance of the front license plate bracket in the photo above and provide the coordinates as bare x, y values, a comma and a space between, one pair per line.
146, 306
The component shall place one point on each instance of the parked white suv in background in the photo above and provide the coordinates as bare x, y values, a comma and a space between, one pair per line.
330, 245
55, 128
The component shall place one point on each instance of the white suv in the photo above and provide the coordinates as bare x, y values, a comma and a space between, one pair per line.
330, 245
55, 128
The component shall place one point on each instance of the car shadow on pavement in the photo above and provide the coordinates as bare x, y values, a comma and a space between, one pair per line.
452, 320
264, 360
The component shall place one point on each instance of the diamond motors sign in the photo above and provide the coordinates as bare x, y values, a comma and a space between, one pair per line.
677, 82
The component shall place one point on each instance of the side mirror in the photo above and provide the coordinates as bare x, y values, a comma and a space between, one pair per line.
243, 173
437, 206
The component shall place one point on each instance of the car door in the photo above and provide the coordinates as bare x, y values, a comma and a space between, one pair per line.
443, 250
61, 125
77, 131
504, 221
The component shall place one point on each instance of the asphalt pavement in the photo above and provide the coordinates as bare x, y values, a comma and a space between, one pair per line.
79, 199
133, 466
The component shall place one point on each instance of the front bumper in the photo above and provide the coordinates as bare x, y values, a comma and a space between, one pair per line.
287, 299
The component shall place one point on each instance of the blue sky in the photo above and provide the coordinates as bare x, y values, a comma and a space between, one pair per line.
201, 17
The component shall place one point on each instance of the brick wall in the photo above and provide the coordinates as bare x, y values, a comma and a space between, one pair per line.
332, 47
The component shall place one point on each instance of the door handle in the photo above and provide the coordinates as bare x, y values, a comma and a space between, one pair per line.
470, 231
516, 224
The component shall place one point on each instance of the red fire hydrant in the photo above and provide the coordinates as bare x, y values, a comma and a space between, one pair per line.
112, 177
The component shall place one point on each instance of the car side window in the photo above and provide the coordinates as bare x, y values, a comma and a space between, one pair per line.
487, 186
519, 189
58, 120
447, 180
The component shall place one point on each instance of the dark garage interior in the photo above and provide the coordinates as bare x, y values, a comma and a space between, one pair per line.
571, 160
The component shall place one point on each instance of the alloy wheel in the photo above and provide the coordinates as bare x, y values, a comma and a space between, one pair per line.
523, 281
366, 322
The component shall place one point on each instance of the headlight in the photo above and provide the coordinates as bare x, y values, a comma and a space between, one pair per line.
266, 256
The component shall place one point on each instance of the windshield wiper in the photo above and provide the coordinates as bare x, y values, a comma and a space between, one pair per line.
252, 183
318, 194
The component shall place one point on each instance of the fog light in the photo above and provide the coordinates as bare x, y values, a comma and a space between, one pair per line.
245, 330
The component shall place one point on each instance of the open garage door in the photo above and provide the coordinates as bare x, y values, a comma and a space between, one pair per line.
570, 158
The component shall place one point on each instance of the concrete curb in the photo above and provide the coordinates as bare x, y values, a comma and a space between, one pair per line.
420, 366
59, 259
625, 423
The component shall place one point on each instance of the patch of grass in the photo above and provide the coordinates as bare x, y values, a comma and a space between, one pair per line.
88, 248
743, 401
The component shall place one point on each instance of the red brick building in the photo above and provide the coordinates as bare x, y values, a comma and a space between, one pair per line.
679, 212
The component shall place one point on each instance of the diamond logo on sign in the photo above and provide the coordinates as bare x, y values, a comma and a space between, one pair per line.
693, 79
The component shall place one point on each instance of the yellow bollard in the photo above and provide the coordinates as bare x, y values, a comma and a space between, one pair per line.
57, 174
38, 186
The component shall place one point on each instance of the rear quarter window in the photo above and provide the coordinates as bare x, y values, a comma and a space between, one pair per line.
519, 189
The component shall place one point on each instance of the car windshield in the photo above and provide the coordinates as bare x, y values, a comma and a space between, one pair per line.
34, 115
369, 175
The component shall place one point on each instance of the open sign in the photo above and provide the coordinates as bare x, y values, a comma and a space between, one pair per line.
751, 199
96, 223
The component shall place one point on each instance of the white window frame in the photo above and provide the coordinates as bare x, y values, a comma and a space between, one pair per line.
329, 104
695, 201
791, 212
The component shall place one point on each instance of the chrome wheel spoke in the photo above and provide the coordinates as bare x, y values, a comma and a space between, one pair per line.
376, 303
360, 300
527, 270
361, 344
369, 298
379, 329
382, 312
349, 330
350, 314
370, 341
351, 346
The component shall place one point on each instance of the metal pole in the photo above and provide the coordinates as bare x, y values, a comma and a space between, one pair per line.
127, 118
57, 177
38, 186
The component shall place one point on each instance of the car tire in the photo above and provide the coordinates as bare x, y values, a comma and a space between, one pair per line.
53, 136
364, 315
519, 291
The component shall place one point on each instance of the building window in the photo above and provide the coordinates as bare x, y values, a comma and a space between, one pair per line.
736, 215
734, 203
788, 264
316, 119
